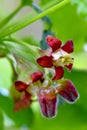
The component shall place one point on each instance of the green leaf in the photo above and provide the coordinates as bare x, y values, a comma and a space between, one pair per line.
80, 61
20, 118
23, 50
5, 73
81, 7
1, 121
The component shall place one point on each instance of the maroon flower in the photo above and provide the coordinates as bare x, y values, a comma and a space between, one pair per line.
68, 91
59, 57
48, 102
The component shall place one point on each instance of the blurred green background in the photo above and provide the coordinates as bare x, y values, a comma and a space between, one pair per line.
70, 22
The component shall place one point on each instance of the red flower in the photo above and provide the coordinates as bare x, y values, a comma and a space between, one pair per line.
68, 91
59, 57
22, 86
27, 90
48, 102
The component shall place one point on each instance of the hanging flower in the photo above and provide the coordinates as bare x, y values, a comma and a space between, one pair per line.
55, 57
48, 102
58, 56
67, 90
27, 90
48, 97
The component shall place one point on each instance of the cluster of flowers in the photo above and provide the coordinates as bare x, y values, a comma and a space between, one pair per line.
56, 57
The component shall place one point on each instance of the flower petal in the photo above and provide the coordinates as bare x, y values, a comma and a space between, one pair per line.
48, 102
59, 72
20, 86
69, 67
53, 42
45, 61
37, 76
68, 91
68, 46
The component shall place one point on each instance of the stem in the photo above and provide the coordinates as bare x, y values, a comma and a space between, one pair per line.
9, 17
21, 25
45, 19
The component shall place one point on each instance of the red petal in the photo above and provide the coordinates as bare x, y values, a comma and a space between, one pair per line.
69, 66
59, 73
20, 86
68, 91
45, 61
53, 42
68, 46
36, 76
48, 102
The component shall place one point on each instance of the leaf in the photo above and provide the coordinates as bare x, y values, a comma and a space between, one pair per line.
20, 118
80, 61
5, 73
1, 121
23, 50
81, 7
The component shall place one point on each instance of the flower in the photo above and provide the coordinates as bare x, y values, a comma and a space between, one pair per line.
67, 90
48, 102
58, 56
48, 97
27, 90
55, 57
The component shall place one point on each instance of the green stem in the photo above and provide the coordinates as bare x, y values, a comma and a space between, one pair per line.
9, 17
45, 19
21, 25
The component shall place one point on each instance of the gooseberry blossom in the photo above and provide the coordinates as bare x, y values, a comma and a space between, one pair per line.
58, 56
27, 90
47, 91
